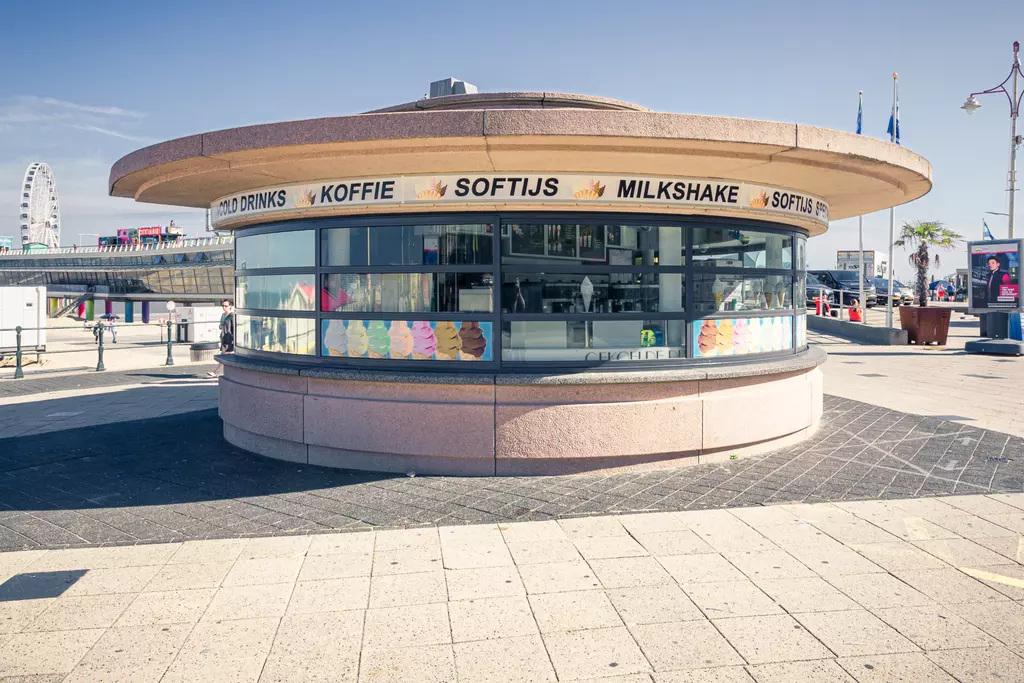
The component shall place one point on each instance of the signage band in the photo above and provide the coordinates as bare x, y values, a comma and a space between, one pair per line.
439, 190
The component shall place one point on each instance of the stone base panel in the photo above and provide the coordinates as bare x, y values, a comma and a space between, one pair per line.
501, 429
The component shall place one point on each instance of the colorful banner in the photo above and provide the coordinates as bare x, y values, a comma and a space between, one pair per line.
742, 336
557, 189
408, 340
995, 276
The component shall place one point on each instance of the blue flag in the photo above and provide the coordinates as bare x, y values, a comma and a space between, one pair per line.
860, 111
985, 232
896, 114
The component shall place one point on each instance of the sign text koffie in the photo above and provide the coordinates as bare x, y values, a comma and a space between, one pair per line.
542, 189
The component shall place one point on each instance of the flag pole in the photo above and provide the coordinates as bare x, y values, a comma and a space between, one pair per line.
860, 225
892, 211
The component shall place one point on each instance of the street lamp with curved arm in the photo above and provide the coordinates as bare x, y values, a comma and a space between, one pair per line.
972, 104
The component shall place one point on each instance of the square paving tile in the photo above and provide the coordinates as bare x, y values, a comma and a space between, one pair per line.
1010, 547
558, 576
731, 599
685, 645
332, 595
654, 604
934, 627
249, 602
898, 556
625, 572
950, 586
594, 653
115, 580
402, 539
202, 552
264, 570
412, 560
769, 564
960, 551
981, 664
86, 612
357, 542
278, 546
139, 556
528, 532
488, 618
1007, 579
408, 626
173, 577
652, 522
855, 632
583, 527
771, 639
15, 615
395, 590
335, 566
233, 650
724, 674
543, 551
688, 569
430, 664
879, 591
818, 671
36, 654
683, 542
573, 611
806, 595
131, 654
316, 648
170, 607
912, 667
602, 547
505, 660
833, 559
1002, 620
487, 582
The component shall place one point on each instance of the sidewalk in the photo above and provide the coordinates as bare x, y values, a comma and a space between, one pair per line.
921, 590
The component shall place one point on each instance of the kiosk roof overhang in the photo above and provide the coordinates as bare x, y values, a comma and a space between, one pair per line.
526, 132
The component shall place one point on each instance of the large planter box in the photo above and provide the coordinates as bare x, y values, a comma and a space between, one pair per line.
925, 325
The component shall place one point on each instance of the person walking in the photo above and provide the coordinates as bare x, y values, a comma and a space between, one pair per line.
227, 334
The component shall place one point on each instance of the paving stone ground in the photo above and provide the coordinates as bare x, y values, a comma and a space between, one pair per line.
913, 590
176, 479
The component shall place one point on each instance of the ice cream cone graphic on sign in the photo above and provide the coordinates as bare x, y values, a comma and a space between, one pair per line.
592, 190
448, 341
433, 192
401, 340
473, 342
423, 343
358, 342
708, 339
336, 339
380, 342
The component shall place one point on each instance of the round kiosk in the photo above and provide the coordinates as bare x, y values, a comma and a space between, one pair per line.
521, 283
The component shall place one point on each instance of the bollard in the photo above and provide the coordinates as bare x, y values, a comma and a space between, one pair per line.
18, 372
99, 336
170, 357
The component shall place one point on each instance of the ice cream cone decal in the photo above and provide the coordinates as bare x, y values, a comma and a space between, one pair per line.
592, 190
448, 341
423, 342
473, 342
304, 199
358, 341
708, 340
759, 200
401, 340
433, 192
336, 339
587, 292
379, 340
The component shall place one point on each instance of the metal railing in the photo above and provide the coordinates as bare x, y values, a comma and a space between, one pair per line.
187, 243
99, 330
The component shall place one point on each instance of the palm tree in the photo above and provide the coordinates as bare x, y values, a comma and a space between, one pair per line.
924, 237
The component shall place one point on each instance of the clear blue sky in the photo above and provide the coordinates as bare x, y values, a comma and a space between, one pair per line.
88, 82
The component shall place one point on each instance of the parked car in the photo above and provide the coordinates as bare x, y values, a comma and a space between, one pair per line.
881, 285
846, 283
906, 293
816, 289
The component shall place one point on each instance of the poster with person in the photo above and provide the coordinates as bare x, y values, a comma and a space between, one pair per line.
995, 276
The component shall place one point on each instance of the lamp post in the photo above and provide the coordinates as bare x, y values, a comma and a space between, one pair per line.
1014, 96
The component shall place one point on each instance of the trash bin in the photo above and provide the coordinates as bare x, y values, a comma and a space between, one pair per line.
181, 332
203, 351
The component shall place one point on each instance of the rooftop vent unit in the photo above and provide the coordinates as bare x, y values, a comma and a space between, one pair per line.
451, 86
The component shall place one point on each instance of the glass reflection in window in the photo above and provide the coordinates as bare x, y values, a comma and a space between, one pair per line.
612, 245
408, 245
275, 292
741, 248
591, 292
276, 334
593, 340
739, 292
407, 292
290, 249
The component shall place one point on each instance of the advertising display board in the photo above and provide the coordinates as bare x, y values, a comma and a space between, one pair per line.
995, 276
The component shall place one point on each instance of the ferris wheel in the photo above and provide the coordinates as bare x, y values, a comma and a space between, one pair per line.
40, 210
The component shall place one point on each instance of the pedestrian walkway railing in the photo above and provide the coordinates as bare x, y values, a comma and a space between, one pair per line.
99, 330
191, 242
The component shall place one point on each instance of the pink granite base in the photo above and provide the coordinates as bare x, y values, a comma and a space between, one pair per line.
480, 429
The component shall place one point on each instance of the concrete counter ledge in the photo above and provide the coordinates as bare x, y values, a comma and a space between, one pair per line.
518, 424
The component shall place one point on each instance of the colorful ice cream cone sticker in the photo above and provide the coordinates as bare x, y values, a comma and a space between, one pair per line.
380, 342
358, 341
723, 341
423, 343
336, 339
448, 341
473, 341
433, 192
740, 337
707, 342
401, 340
